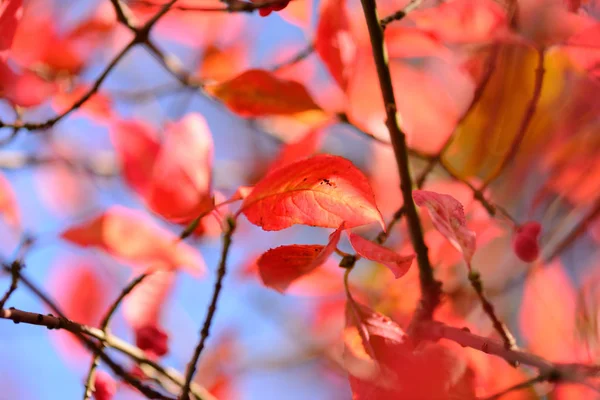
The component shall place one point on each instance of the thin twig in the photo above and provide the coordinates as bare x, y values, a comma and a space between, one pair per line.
295, 59
518, 386
488, 308
205, 332
15, 269
399, 15
92, 346
89, 383
430, 288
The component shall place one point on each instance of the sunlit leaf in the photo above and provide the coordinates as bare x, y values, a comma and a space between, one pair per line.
132, 237
280, 266
448, 217
397, 263
258, 93
323, 190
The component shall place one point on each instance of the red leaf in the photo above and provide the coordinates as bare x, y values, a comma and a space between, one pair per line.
280, 266
11, 12
448, 217
23, 89
397, 263
463, 21
97, 107
82, 294
180, 189
8, 203
305, 147
173, 177
144, 305
334, 42
132, 237
257, 93
323, 190
137, 146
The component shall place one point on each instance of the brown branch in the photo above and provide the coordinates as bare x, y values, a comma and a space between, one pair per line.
15, 269
519, 386
434, 330
399, 15
295, 59
430, 288
63, 321
488, 308
212, 308
89, 383
232, 6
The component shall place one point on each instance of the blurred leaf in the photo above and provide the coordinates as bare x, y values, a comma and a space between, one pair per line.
132, 237
397, 263
257, 93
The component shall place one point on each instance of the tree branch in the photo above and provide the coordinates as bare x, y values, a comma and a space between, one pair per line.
430, 288
205, 332
89, 383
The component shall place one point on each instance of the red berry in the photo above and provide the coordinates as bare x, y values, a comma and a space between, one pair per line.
105, 386
531, 228
526, 246
152, 339
264, 11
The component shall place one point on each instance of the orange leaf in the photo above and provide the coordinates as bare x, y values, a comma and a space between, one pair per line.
323, 190
397, 263
258, 93
130, 236
221, 63
448, 217
334, 42
280, 266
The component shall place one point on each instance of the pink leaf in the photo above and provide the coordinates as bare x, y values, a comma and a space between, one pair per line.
144, 305
463, 21
397, 263
448, 217
131, 236
280, 266
323, 190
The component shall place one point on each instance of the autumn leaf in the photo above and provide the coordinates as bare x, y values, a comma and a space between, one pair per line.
8, 203
397, 263
10, 14
24, 89
145, 304
324, 190
132, 237
173, 177
257, 93
462, 21
334, 42
98, 107
448, 216
280, 266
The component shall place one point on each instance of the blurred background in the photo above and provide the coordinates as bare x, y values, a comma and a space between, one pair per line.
264, 344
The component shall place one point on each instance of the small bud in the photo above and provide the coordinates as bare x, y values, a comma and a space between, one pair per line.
152, 339
105, 386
